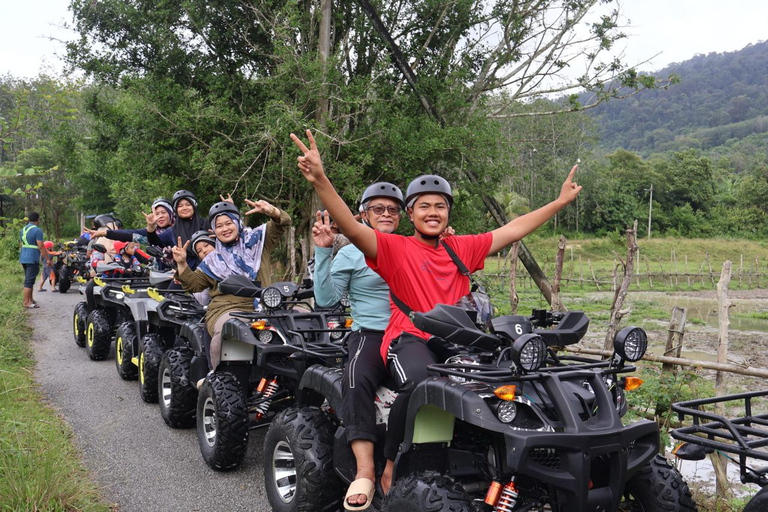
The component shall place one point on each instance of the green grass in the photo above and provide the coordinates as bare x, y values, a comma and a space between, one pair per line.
659, 255
40, 467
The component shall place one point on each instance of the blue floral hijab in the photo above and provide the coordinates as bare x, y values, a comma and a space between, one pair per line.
241, 257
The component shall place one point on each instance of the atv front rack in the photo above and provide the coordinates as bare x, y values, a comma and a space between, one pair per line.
498, 374
745, 436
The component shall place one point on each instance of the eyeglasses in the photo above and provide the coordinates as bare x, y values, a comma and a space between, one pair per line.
379, 209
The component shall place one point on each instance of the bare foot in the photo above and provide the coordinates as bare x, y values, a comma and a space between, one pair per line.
386, 477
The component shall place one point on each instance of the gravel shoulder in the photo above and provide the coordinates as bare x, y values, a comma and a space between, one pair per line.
141, 464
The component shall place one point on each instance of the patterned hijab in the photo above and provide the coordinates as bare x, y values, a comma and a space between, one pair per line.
240, 257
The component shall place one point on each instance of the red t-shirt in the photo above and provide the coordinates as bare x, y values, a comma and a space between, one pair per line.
423, 276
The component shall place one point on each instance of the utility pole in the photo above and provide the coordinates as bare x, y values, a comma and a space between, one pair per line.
650, 211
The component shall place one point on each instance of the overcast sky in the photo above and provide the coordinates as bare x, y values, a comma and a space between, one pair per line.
678, 29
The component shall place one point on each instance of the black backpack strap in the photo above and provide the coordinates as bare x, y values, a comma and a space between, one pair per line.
462, 267
401, 305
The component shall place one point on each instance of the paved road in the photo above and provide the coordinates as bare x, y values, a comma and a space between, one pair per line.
142, 464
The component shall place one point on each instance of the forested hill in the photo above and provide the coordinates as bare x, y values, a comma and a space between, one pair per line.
721, 98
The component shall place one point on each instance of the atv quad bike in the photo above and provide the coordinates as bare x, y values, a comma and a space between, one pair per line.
73, 263
744, 436
504, 424
263, 355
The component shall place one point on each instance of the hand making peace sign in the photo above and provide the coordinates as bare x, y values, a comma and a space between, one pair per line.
311, 165
180, 252
322, 235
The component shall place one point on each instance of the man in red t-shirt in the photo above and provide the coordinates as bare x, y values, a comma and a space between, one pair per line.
418, 269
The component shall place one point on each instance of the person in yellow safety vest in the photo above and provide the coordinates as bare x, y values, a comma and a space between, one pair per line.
32, 249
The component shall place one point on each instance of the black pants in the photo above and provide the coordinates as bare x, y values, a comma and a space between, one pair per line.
363, 373
407, 361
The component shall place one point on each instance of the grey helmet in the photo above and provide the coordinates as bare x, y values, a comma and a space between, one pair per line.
219, 208
428, 184
184, 194
382, 189
200, 236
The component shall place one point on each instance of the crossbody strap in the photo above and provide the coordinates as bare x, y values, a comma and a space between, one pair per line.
456, 260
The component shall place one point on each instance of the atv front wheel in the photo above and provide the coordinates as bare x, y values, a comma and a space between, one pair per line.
65, 279
298, 461
78, 327
657, 487
150, 355
178, 396
125, 343
429, 492
98, 335
759, 502
222, 422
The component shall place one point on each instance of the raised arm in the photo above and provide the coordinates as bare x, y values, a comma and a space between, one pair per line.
311, 166
525, 224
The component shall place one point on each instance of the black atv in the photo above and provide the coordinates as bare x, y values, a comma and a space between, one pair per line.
744, 436
504, 424
263, 355
163, 354
72, 264
96, 319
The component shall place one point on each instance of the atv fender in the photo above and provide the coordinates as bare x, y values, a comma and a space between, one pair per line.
196, 335
326, 381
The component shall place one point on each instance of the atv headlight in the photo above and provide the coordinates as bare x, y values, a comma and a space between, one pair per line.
630, 343
506, 412
266, 336
528, 352
335, 335
344, 301
271, 297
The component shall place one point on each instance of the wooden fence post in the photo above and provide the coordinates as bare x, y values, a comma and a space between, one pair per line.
675, 335
514, 299
557, 303
292, 251
617, 313
723, 304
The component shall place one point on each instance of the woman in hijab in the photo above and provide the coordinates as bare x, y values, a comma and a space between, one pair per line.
239, 251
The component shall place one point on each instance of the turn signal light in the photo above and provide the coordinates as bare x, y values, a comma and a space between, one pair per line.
506, 392
348, 323
259, 325
631, 383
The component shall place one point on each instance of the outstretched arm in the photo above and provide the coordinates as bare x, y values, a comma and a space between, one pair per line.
521, 226
311, 166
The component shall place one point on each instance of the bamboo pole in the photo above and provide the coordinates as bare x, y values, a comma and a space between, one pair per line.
681, 361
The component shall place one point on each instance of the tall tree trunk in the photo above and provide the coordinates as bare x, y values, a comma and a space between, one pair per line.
493, 206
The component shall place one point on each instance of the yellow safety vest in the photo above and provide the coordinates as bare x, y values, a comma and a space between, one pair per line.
24, 242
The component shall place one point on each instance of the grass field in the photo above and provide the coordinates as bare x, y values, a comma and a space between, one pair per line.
40, 467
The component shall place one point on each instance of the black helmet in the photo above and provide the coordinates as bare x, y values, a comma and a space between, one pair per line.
118, 223
184, 194
382, 189
103, 221
201, 236
219, 208
429, 184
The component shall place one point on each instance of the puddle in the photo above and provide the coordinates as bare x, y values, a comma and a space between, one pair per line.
703, 474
